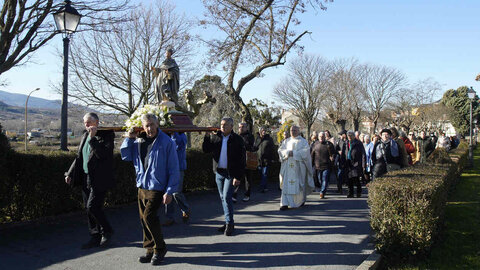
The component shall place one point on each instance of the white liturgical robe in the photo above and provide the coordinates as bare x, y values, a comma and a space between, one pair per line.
296, 176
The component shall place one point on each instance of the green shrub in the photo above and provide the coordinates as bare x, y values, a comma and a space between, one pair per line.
408, 205
33, 184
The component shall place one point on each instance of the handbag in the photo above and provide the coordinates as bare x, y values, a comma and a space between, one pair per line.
252, 160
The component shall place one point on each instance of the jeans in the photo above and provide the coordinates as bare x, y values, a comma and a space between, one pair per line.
264, 177
179, 198
324, 178
225, 190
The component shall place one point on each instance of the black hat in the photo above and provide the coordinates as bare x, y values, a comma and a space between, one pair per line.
342, 132
387, 131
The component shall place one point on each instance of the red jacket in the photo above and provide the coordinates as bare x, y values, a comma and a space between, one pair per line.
409, 147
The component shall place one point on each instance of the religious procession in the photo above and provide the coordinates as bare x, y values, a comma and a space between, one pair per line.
352, 159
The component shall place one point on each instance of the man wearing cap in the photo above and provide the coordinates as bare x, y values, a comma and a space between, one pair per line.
385, 154
341, 160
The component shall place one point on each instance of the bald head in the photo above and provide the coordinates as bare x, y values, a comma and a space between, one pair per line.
295, 131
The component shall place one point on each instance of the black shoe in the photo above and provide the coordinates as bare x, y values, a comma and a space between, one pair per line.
106, 239
283, 208
229, 229
158, 257
234, 199
146, 258
94, 242
222, 229
359, 195
350, 196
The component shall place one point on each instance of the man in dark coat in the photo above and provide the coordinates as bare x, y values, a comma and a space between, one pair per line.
264, 145
355, 162
425, 147
229, 161
385, 154
322, 154
92, 170
249, 141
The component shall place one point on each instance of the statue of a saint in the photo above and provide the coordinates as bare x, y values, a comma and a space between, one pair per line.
167, 79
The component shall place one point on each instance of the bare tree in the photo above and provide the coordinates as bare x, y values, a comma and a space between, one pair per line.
304, 88
111, 69
409, 103
25, 27
336, 100
346, 99
256, 32
382, 84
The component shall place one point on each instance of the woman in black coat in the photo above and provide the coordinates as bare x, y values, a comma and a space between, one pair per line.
356, 163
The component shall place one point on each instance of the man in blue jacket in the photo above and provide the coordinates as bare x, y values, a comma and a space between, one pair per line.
180, 140
154, 157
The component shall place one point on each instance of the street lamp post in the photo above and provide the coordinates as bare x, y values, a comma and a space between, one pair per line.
67, 20
26, 110
471, 96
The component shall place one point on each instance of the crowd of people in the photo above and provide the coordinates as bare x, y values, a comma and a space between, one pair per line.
159, 160
353, 157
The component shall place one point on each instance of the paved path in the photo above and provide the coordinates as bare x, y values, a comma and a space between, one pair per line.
333, 233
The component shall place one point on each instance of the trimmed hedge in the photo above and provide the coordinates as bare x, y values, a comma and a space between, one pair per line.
407, 206
32, 185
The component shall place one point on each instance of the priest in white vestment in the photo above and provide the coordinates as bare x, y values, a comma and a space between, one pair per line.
296, 175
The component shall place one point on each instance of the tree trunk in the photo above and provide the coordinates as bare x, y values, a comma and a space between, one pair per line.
341, 124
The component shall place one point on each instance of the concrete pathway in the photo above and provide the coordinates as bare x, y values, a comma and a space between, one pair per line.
333, 233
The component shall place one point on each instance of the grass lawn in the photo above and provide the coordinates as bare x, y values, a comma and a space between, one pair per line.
460, 244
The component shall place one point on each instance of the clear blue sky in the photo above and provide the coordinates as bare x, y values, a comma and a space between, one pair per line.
438, 39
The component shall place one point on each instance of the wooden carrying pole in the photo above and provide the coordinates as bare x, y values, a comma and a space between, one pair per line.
166, 129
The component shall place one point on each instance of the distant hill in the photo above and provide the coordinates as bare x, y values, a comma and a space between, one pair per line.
18, 100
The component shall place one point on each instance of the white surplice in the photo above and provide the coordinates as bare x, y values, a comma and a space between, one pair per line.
296, 176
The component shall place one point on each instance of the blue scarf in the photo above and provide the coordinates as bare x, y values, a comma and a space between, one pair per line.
352, 144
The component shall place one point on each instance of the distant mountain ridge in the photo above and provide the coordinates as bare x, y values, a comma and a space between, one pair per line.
18, 100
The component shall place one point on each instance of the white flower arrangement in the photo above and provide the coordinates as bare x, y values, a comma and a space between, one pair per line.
135, 119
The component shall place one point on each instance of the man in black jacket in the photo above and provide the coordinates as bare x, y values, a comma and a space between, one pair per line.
264, 145
229, 159
248, 140
92, 170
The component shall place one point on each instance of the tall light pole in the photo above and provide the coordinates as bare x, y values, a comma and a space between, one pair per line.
26, 110
471, 96
67, 20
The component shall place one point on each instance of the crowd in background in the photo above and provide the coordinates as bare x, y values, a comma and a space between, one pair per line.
359, 157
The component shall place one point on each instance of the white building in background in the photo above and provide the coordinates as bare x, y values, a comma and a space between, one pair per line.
288, 115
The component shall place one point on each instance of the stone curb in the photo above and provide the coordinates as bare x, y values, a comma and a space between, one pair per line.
372, 262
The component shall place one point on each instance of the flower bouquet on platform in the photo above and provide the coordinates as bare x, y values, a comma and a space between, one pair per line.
169, 120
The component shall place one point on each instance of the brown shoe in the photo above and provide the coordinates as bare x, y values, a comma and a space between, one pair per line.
322, 196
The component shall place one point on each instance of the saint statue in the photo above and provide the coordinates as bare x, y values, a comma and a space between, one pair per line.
296, 179
167, 79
